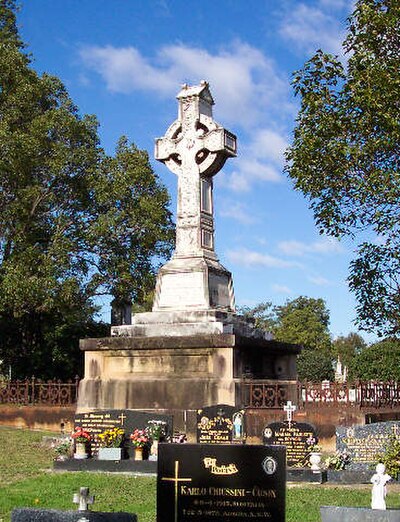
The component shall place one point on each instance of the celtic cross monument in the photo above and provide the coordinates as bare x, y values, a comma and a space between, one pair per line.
192, 349
195, 148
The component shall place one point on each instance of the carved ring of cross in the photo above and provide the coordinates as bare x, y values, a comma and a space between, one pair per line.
198, 144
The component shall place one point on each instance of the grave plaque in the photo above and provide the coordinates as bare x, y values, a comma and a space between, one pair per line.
363, 443
220, 424
220, 482
96, 422
296, 439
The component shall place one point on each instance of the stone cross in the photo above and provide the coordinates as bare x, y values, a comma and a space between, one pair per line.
83, 499
289, 408
195, 148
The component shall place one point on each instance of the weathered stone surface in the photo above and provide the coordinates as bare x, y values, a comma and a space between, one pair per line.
356, 514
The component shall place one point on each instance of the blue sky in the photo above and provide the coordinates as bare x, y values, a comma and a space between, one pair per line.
124, 60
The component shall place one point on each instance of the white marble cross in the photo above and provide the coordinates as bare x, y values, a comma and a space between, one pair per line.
195, 148
83, 499
289, 408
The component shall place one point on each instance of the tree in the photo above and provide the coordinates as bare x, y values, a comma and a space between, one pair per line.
303, 321
262, 314
347, 348
378, 362
345, 154
74, 222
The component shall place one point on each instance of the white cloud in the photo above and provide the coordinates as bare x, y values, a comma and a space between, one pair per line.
319, 281
236, 211
261, 160
251, 258
310, 28
281, 289
244, 82
297, 248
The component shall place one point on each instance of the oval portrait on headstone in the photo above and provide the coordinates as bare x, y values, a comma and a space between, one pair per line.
269, 465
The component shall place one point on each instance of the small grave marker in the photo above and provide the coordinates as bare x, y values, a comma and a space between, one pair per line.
83, 499
363, 443
96, 422
294, 438
220, 424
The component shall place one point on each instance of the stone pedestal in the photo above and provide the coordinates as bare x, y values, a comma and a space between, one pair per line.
187, 361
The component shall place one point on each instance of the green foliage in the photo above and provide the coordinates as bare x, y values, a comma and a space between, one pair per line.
304, 321
391, 457
347, 348
344, 156
262, 314
315, 365
74, 222
379, 361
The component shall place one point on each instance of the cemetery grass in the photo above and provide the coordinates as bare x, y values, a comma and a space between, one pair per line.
27, 480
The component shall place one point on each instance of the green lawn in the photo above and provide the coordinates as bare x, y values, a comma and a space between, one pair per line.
27, 480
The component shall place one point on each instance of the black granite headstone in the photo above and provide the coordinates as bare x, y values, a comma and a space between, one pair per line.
295, 438
220, 482
98, 421
363, 443
220, 424
54, 515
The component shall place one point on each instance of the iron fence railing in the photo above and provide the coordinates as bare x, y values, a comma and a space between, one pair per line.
269, 394
36, 391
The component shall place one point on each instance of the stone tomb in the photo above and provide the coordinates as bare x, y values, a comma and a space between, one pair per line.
220, 482
220, 424
363, 443
294, 437
98, 421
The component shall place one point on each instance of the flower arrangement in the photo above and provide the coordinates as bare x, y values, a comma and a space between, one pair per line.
312, 445
339, 460
81, 435
139, 438
111, 438
63, 449
156, 429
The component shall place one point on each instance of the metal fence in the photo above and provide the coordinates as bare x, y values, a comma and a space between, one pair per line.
274, 394
258, 394
35, 391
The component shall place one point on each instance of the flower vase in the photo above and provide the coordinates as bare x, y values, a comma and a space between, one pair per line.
80, 450
138, 453
315, 461
154, 450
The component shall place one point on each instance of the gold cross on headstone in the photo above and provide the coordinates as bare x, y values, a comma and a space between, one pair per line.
122, 417
176, 479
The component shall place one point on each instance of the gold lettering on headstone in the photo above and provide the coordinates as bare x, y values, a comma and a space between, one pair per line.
211, 463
